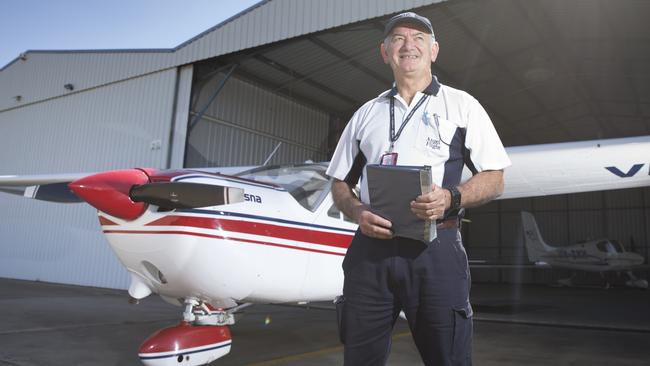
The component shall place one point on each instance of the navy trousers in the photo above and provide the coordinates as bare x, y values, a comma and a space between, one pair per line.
430, 283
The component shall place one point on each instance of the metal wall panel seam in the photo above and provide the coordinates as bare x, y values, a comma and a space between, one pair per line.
84, 90
261, 35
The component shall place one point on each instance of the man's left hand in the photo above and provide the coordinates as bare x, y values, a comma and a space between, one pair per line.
432, 205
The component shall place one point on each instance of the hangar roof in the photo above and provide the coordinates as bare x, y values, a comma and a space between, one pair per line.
546, 70
40, 75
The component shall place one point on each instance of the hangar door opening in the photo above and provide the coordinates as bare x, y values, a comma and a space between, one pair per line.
235, 121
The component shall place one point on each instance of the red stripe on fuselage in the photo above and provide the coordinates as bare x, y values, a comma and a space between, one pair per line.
221, 237
104, 221
257, 228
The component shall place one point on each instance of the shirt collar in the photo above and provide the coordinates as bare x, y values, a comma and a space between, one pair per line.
432, 89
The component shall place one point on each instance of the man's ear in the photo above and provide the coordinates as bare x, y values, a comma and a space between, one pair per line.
434, 51
384, 52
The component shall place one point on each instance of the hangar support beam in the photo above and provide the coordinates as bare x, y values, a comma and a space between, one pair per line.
198, 116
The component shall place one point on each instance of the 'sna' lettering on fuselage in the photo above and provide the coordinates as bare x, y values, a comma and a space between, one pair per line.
252, 198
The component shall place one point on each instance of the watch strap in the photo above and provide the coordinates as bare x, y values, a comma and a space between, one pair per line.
455, 197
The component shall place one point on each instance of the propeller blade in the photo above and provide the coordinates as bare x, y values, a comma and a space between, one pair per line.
52, 192
185, 195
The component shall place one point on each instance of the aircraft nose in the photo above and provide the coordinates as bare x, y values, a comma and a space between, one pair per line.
109, 192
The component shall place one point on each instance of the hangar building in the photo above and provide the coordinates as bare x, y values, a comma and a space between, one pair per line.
287, 74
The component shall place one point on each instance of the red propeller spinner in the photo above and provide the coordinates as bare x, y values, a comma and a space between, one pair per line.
109, 192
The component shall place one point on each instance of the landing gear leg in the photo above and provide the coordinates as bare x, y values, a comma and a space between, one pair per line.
607, 284
205, 314
568, 282
635, 282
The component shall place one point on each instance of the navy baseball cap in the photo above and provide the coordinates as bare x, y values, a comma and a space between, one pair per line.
408, 18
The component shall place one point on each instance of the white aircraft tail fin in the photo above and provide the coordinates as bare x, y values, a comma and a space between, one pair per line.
535, 244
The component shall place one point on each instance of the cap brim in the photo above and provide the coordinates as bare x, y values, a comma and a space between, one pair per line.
410, 21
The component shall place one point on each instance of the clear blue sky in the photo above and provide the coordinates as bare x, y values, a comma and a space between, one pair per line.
106, 24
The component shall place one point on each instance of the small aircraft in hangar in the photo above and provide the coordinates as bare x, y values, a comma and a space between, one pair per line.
603, 255
214, 242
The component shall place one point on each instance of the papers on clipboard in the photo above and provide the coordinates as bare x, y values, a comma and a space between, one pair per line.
391, 189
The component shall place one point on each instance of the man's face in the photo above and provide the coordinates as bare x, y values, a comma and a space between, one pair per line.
409, 50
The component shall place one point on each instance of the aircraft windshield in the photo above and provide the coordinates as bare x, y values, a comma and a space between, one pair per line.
307, 183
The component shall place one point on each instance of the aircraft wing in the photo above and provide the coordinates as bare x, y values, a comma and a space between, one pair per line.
31, 180
537, 170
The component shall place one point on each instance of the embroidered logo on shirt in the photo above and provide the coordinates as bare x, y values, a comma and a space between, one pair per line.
433, 143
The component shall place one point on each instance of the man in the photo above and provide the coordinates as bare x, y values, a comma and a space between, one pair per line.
435, 125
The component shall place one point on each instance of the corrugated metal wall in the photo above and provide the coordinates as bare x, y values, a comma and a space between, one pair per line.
103, 128
42, 75
494, 233
245, 123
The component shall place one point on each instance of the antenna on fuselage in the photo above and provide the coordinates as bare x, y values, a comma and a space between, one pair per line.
272, 153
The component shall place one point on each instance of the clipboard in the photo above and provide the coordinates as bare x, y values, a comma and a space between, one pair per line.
391, 189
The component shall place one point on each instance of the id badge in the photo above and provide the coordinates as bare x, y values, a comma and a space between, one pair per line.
389, 159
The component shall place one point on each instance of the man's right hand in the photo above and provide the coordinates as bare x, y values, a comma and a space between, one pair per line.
370, 224
373, 225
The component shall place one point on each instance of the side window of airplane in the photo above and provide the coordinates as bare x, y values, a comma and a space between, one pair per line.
617, 245
337, 214
608, 247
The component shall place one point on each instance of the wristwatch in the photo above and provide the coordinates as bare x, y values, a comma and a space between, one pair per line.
455, 198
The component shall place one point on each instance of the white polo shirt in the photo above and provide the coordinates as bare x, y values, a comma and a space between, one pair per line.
449, 130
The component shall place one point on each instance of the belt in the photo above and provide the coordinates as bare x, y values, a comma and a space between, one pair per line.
451, 223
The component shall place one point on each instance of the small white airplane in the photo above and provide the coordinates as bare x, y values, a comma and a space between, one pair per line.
215, 242
601, 256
